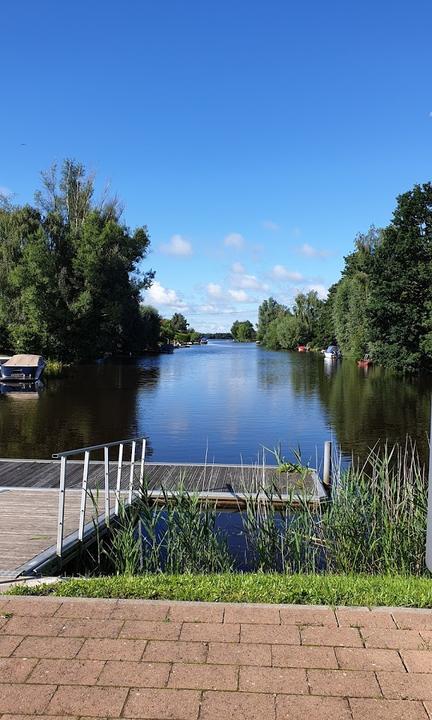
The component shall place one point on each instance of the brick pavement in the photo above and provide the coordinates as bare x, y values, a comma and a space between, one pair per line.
157, 660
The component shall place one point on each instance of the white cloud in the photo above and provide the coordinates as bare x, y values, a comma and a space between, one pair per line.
248, 282
214, 290
320, 289
239, 295
270, 225
177, 246
310, 251
280, 272
159, 295
238, 268
234, 240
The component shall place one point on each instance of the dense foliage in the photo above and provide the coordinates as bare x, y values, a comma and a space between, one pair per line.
243, 331
382, 304
71, 275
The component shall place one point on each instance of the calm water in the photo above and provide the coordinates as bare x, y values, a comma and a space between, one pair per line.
223, 400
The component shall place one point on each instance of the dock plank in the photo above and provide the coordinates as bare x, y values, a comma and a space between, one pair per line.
29, 496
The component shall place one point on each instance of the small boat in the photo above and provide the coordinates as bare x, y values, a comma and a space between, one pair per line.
365, 363
302, 348
19, 368
332, 353
203, 341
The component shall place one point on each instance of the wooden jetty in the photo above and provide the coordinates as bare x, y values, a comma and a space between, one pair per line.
29, 498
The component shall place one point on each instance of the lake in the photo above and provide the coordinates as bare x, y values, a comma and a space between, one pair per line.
222, 402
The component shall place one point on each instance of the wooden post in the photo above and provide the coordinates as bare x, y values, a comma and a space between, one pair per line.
429, 509
327, 479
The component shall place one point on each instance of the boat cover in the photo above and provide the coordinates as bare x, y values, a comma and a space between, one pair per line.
24, 360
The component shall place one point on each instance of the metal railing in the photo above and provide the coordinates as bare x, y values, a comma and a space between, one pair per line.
86, 451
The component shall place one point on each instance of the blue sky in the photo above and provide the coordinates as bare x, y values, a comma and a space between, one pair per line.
255, 139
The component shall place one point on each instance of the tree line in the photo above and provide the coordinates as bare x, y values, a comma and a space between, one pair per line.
382, 304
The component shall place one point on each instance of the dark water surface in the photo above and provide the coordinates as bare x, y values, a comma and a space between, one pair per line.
223, 400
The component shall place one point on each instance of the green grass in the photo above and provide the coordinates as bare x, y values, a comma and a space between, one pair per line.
251, 587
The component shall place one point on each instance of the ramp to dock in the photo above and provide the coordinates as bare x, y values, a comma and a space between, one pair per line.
29, 498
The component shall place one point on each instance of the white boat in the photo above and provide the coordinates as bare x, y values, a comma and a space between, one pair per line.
22, 368
332, 353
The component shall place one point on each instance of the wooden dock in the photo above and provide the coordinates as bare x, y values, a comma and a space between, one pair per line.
29, 498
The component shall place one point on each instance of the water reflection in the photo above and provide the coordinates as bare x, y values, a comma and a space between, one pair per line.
223, 401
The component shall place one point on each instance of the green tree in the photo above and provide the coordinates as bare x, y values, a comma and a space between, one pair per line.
243, 331
268, 311
150, 327
179, 323
399, 311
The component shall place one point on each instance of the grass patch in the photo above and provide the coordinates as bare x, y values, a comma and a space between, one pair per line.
250, 587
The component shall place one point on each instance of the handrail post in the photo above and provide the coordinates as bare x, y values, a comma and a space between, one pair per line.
61, 507
143, 452
119, 474
83, 495
327, 478
106, 477
132, 467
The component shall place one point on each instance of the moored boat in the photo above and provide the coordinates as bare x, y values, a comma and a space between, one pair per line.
302, 348
365, 363
332, 353
19, 368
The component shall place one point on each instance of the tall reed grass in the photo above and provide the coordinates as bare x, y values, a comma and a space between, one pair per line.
374, 523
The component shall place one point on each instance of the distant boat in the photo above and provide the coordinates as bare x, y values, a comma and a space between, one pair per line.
332, 353
203, 341
22, 367
302, 348
365, 363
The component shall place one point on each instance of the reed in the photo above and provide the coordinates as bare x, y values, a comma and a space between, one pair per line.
374, 523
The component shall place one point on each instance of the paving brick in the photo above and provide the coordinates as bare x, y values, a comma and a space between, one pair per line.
204, 677
49, 647
239, 654
150, 630
418, 661
396, 639
349, 617
93, 701
274, 634
332, 637
140, 610
207, 632
15, 670
307, 615
189, 652
387, 710
252, 614
291, 707
406, 686
196, 612
163, 704
94, 609
108, 649
90, 628
369, 659
413, 620
33, 607
25, 699
350, 683
237, 706
44, 626
67, 672
273, 679
8, 643
134, 674
42, 717
304, 657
